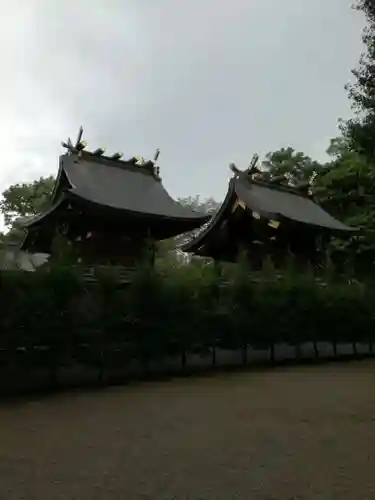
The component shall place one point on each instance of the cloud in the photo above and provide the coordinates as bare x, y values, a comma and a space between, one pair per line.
206, 81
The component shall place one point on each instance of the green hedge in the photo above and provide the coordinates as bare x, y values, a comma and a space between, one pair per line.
52, 318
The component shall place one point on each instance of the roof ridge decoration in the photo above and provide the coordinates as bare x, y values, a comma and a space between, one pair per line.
267, 199
79, 146
258, 176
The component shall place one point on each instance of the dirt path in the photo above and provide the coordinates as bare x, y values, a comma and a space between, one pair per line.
295, 433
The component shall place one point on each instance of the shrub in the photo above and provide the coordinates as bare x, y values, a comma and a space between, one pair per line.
51, 317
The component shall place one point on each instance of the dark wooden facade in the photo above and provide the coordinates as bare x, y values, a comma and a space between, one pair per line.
260, 219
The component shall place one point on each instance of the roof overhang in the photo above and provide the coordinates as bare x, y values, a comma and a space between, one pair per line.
215, 220
270, 202
123, 186
274, 203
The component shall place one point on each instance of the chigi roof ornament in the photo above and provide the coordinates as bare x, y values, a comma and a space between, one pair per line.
156, 167
107, 195
79, 144
251, 169
254, 194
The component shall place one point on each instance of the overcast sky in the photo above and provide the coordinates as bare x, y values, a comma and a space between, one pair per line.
207, 81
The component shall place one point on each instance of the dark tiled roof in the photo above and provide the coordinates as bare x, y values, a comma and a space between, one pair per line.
114, 184
272, 203
122, 186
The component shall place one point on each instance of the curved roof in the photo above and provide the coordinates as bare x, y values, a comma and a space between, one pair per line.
28, 221
123, 186
194, 243
119, 185
271, 202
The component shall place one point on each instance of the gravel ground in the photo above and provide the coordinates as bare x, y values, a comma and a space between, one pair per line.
290, 433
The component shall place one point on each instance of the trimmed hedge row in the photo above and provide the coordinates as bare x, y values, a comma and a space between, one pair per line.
52, 318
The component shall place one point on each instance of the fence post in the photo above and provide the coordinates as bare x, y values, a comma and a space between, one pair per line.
316, 350
272, 352
213, 353
244, 354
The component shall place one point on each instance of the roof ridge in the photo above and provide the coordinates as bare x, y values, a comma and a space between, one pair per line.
132, 164
253, 175
277, 187
79, 149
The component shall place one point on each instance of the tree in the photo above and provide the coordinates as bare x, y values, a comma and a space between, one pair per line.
3, 240
26, 199
207, 206
347, 182
360, 130
347, 191
295, 165
21, 200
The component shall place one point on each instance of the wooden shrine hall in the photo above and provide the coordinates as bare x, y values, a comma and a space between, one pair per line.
261, 217
109, 209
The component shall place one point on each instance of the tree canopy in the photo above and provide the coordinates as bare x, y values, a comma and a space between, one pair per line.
206, 206
27, 198
360, 130
20, 200
295, 165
